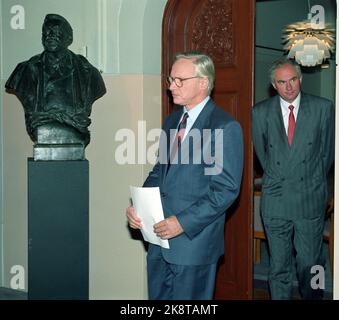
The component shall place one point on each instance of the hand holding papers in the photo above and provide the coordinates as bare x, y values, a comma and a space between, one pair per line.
147, 203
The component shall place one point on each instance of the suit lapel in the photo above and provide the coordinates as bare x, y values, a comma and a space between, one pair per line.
203, 119
171, 127
200, 123
278, 123
301, 128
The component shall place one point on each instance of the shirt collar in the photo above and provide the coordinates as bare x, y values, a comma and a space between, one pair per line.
194, 112
296, 102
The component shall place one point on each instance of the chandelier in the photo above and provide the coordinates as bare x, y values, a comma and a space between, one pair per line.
308, 45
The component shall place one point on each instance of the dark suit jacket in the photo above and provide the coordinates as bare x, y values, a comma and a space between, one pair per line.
199, 201
294, 181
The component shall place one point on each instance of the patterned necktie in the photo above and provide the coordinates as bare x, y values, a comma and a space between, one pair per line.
181, 129
291, 125
179, 137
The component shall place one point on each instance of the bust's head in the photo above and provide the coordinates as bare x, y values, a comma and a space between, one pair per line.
57, 33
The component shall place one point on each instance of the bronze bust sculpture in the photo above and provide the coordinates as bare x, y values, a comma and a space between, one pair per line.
57, 89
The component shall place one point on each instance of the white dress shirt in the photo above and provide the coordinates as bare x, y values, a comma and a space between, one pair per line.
193, 115
286, 111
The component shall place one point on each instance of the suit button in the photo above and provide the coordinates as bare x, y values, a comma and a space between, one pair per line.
278, 163
304, 161
282, 179
301, 179
163, 194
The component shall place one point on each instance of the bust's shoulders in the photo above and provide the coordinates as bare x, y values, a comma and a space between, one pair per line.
84, 65
26, 68
33, 60
79, 59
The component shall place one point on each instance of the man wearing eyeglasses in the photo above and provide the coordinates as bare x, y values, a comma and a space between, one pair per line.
194, 202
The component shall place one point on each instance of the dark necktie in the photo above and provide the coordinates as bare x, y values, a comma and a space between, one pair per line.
181, 129
291, 125
179, 136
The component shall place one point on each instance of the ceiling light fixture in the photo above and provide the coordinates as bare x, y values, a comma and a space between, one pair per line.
309, 42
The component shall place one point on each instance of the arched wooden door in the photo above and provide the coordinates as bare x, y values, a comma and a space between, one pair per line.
224, 29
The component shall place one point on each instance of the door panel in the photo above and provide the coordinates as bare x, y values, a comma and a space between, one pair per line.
224, 29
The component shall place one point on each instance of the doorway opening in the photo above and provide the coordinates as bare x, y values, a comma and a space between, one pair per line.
272, 16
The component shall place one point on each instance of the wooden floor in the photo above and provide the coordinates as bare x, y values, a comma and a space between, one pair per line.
10, 294
260, 292
261, 269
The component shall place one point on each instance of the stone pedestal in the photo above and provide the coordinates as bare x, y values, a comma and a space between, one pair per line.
58, 229
58, 152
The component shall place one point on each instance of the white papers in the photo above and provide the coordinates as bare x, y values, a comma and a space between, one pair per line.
147, 203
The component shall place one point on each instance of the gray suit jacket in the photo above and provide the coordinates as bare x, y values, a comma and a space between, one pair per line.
198, 200
295, 177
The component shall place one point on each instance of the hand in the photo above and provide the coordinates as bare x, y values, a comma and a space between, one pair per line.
133, 220
168, 228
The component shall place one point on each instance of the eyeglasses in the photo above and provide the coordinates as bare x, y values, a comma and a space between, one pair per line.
178, 81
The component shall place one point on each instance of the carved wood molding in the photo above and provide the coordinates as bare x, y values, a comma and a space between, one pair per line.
213, 32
